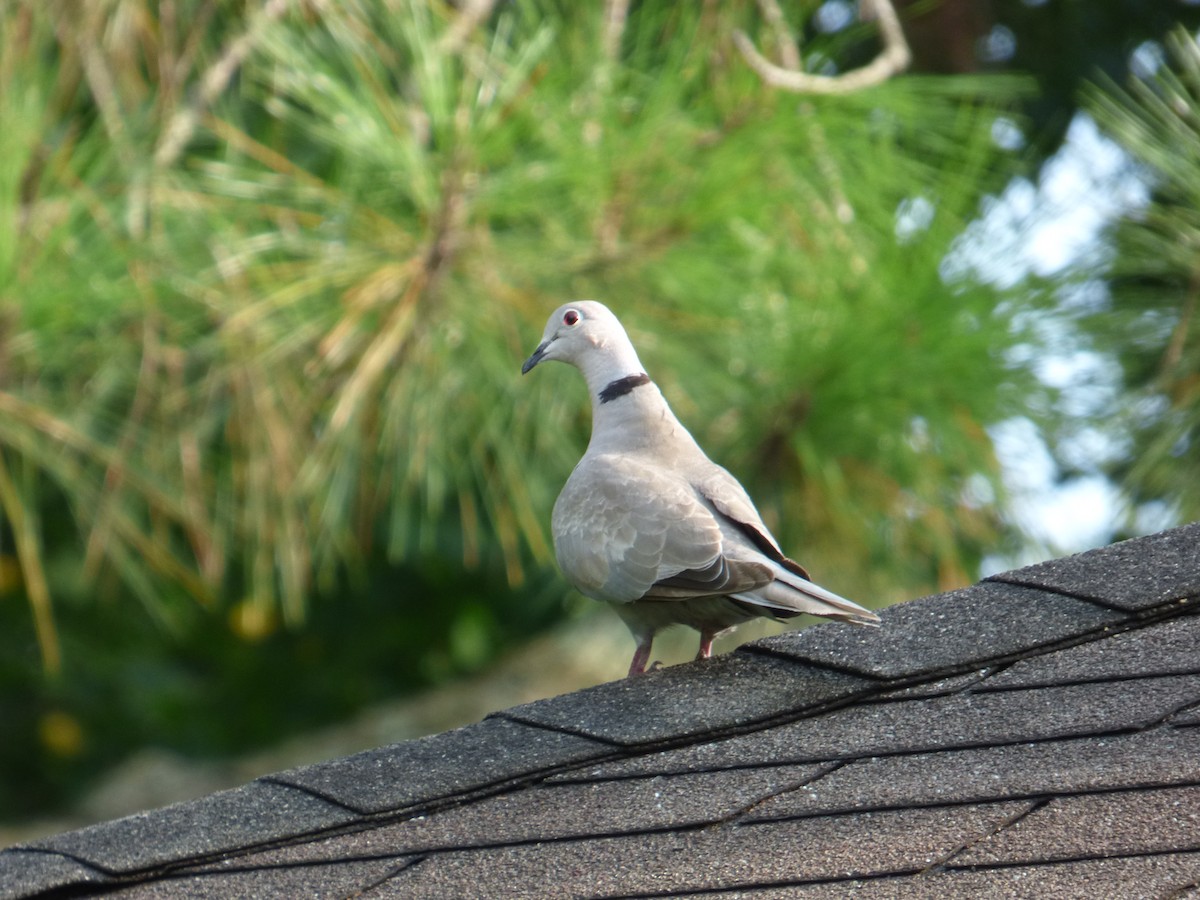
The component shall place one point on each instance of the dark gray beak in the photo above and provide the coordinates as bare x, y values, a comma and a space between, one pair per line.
536, 358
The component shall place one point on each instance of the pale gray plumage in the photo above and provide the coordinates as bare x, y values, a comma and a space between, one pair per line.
647, 522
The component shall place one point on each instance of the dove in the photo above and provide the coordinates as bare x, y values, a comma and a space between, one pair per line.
647, 522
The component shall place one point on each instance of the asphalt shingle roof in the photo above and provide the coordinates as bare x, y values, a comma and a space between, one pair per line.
1037, 734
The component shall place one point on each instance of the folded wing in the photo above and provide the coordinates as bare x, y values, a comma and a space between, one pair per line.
624, 531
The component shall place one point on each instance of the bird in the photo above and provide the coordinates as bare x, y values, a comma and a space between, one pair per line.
647, 522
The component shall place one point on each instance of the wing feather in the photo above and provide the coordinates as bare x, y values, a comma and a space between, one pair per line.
624, 530
790, 590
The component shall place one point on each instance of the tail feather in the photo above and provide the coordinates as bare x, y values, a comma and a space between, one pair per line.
789, 593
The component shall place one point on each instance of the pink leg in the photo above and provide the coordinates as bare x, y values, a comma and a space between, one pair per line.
706, 639
641, 655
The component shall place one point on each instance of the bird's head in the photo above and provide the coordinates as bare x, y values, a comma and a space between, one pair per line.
583, 334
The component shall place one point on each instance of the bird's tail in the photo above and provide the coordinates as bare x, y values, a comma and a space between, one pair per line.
789, 594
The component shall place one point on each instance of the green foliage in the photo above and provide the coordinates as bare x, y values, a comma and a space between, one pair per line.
263, 332
1151, 322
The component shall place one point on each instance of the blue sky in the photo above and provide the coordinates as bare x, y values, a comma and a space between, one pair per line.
1052, 227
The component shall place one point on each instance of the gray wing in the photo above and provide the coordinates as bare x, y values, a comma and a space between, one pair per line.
734, 505
624, 530
791, 589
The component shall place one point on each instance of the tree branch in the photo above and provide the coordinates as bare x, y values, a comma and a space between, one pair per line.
787, 45
893, 59
615, 14
214, 81
470, 17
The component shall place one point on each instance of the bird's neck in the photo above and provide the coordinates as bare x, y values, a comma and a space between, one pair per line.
613, 373
629, 412
619, 387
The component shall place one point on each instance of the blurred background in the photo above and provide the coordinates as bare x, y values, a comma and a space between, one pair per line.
271, 486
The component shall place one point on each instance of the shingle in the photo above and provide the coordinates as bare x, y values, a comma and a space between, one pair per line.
1163, 648
1165, 875
721, 857
950, 632
1188, 717
374, 842
956, 720
630, 805
488, 753
1045, 768
975, 718
1122, 823
1137, 876
228, 820
340, 879
555, 812
721, 693
1132, 575
24, 873
951, 684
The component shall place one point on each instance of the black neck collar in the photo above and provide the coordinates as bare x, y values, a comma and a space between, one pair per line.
623, 386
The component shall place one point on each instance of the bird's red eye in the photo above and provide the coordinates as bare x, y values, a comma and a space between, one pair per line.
570, 317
